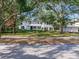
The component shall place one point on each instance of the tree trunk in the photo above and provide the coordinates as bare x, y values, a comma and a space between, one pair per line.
0, 32
14, 27
61, 30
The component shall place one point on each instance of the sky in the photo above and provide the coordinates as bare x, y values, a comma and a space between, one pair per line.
58, 8
73, 16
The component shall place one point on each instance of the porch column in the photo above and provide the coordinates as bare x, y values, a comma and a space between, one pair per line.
48, 28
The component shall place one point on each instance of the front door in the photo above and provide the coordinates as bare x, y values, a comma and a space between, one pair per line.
31, 27
78, 29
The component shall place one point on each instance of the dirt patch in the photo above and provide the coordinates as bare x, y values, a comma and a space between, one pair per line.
44, 41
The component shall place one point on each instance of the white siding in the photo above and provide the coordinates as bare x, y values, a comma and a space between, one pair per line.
70, 29
37, 26
74, 27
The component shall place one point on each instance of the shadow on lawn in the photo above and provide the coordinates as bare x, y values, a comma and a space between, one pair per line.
16, 52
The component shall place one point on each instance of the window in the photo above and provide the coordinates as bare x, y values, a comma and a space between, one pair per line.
78, 29
22, 27
39, 27
21, 23
29, 22
34, 27
71, 23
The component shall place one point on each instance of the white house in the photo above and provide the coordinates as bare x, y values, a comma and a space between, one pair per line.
72, 27
35, 25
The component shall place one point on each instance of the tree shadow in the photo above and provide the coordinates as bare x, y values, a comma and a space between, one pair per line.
59, 49
16, 52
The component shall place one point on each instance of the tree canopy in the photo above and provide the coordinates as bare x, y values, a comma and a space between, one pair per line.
50, 11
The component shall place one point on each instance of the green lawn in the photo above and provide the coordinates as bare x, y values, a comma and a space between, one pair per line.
41, 33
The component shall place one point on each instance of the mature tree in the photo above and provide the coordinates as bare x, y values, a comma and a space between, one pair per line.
53, 12
1, 15
50, 11
7, 9
60, 10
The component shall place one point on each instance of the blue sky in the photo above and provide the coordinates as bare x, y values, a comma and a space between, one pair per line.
73, 16
68, 9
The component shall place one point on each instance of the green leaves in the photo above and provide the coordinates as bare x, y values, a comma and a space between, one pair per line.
22, 5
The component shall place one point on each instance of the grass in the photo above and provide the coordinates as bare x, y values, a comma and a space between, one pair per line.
40, 34
37, 34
